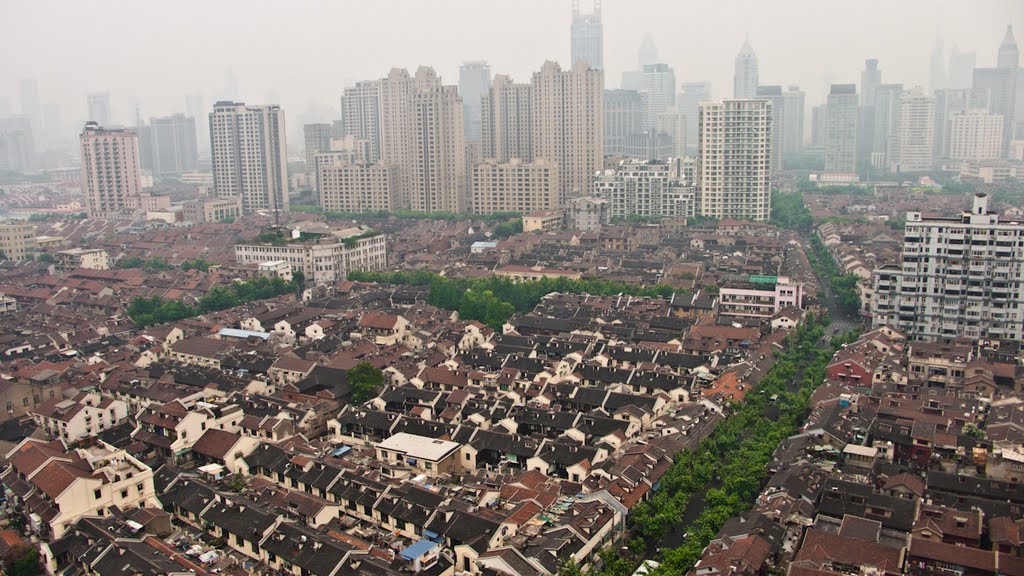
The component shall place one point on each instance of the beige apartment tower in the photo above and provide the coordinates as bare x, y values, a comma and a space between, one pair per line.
110, 171
516, 186
347, 187
734, 159
567, 115
249, 151
505, 121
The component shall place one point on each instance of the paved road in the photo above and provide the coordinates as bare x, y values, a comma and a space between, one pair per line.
842, 322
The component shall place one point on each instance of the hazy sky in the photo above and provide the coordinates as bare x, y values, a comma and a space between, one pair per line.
303, 52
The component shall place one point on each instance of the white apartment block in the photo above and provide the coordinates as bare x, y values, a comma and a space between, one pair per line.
648, 189
505, 124
72, 419
915, 144
960, 276
360, 115
567, 115
17, 240
734, 159
841, 129
249, 152
976, 135
325, 260
111, 183
346, 187
516, 186
759, 296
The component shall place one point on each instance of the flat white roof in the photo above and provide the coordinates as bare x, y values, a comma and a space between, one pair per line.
419, 447
859, 450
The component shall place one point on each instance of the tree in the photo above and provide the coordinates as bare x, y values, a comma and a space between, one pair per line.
26, 565
364, 380
569, 568
46, 258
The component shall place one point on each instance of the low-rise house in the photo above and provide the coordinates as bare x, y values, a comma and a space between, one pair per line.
426, 455
172, 429
82, 416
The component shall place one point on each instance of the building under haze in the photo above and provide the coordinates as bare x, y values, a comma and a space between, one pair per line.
516, 186
841, 130
887, 124
644, 188
98, 104
734, 159
745, 79
17, 144
959, 276
961, 69
587, 36
316, 138
360, 115
870, 79
356, 187
774, 94
949, 103
625, 116
660, 87
505, 121
111, 187
567, 115
249, 152
996, 88
915, 144
793, 123
975, 135
691, 94
474, 84
168, 146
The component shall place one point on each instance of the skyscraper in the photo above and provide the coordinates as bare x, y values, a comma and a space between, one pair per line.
587, 36
648, 52
818, 121
17, 144
996, 88
745, 79
474, 84
690, 96
506, 127
774, 94
915, 137
961, 69
793, 115
317, 138
168, 145
567, 114
975, 135
841, 130
360, 113
31, 105
195, 109
949, 103
937, 74
734, 159
887, 122
625, 116
1009, 55
870, 78
249, 151
110, 171
99, 108
660, 86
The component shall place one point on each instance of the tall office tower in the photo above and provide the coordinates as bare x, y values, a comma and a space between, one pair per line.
625, 116
99, 108
505, 126
793, 127
195, 109
568, 124
1009, 55
360, 114
961, 69
959, 276
745, 80
948, 103
249, 151
819, 116
17, 144
660, 86
110, 171
996, 88
841, 129
774, 94
31, 105
870, 79
648, 52
975, 135
937, 74
515, 186
587, 36
887, 123
640, 188
690, 97
317, 138
915, 137
734, 158
474, 84
673, 124
168, 145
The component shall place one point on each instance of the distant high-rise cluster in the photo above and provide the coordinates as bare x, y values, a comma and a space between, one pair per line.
248, 149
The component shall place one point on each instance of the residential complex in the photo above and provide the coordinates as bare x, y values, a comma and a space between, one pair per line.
647, 189
168, 145
914, 140
110, 171
516, 186
587, 37
348, 187
323, 255
759, 296
734, 159
841, 130
249, 151
975, 135
17, 240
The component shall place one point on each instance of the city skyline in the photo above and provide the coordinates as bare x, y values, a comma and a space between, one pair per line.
270, 74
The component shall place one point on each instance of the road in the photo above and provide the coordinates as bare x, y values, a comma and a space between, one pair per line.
841, 321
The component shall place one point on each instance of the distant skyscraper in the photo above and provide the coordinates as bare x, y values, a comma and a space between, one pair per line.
690, 96
474, 84
195, 109
230, 85
625, 116
53, 125
961, 69
17, 144
567, 113
648, 52
949, 103
99, 108
31, 105
587, 36
915, 137
937, 75
317, 138
360, 114
673, 124
111, 185
249, 151
975, 135
818, 121
745, 79
660, 86
870, 78
168, 145
1009, 55
774, 94
506, 126
996, 88
841, 129
887, 123
733, 159
793, 120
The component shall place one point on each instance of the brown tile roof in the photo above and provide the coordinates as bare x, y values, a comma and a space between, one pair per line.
820, 548
215, 443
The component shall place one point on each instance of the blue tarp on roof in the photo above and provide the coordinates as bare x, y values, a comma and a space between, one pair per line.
418, 549
339, 451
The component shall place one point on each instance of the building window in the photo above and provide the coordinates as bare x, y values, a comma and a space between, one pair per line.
96, 493
124, 493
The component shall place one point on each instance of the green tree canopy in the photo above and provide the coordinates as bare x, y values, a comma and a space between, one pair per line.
364, 380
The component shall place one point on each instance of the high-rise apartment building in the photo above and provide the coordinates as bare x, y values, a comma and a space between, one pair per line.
672, 124
249, 151
17, 240
17, 144
317, 138
734, 159
975, 135
745, 79
915, 137
887, 123
31, 105
474, 84
660, 86
168, 145
949, 103
111, 185
961, 69
360, 112
644, 188
516, 186
841, 130
505, 125
587, 37
688, 101
959, 276
793, 126
98, 104
818, 120
349, 187
774, 94
870, 80
567, 114
625, 116
195, 110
